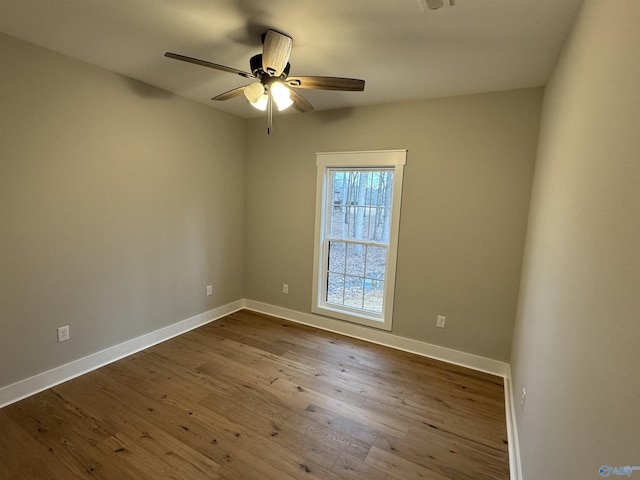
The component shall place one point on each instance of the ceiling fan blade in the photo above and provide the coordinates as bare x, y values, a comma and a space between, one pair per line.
275, 52
300, 103
327, 83
204, 63
236, 92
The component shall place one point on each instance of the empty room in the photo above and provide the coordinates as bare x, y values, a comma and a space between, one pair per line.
323, 240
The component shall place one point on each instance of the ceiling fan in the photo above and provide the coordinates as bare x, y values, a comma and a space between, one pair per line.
270, 70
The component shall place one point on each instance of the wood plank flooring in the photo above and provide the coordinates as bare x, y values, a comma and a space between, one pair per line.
255, 397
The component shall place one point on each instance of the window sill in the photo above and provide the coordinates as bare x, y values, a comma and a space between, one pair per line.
359, 318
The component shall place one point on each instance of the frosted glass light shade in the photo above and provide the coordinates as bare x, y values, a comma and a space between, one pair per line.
261, 103
254, 91
281, 95
284, 104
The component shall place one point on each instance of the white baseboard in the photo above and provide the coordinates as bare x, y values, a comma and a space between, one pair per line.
515, 467
387, 339
32, 385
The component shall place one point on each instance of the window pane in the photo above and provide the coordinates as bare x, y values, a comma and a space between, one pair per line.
335, 289
355, 259
376, 262
373, 295
336, 257
359, 210
378, 224
353, 291
360, 203
359, 223
338, 226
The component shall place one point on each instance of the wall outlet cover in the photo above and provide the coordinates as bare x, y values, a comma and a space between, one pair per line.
63, 333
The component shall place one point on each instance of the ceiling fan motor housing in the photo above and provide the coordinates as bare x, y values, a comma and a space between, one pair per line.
256, 68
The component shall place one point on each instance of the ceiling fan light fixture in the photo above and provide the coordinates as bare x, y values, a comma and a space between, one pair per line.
261, 103
254, 91
281, 95
284, 104
271, 81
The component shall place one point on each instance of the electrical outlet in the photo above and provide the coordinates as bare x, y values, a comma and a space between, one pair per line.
209, 289
441, 321
63, 333
285, 288
523, 398
426, 5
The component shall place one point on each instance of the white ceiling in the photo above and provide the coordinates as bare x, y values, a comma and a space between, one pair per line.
401, 52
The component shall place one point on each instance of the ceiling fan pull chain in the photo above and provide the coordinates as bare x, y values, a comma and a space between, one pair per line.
269, 112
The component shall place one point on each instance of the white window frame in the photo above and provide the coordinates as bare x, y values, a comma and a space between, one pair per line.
325, 161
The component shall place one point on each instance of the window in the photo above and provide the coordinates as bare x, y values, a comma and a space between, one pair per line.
357, 220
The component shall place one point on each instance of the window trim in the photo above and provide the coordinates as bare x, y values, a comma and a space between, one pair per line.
395, 159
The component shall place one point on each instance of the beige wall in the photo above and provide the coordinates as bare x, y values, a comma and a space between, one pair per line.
466, 195
119, 203
576, 342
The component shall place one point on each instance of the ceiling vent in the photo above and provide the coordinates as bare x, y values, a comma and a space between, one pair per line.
435, 4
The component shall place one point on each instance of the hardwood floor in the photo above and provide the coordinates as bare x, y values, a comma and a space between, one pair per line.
251, 396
